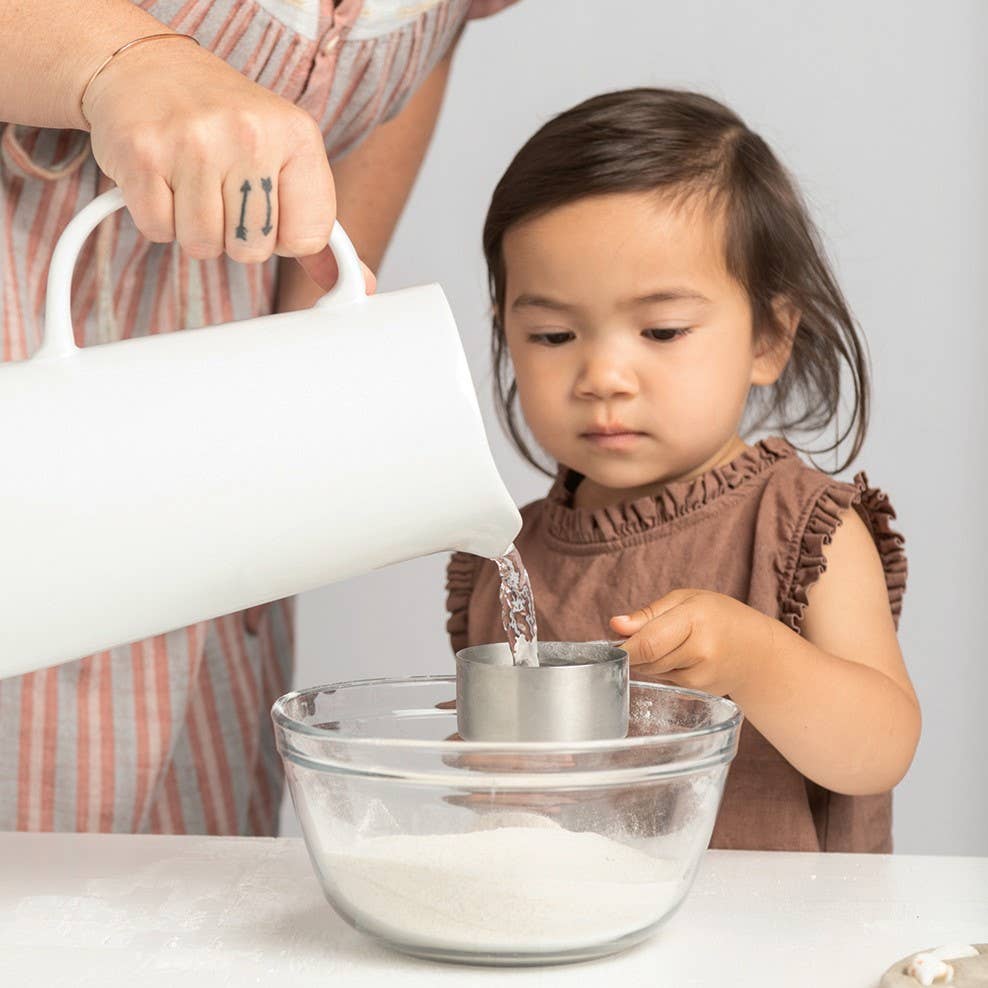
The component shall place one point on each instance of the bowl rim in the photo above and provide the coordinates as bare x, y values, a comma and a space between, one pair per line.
290, 725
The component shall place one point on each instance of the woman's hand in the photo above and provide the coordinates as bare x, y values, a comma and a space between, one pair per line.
208, 158
696, 639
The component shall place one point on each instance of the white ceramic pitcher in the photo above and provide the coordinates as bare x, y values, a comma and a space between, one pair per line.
155, 482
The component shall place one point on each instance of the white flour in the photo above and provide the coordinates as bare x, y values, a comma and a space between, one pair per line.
505, 889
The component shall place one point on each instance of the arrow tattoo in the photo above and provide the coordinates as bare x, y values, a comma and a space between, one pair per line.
241, 229
266, 185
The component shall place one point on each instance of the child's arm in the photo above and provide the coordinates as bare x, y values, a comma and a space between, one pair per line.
836, 702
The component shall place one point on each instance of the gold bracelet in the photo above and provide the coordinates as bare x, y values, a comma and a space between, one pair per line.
130, 44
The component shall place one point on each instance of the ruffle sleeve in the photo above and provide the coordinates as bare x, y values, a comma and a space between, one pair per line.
461, 573
824, 518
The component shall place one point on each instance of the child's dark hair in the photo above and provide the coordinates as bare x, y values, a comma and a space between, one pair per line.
643, 140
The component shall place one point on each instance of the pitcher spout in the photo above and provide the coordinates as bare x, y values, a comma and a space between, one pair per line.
492, 535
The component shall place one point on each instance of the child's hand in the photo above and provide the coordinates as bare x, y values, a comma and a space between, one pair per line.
696, 639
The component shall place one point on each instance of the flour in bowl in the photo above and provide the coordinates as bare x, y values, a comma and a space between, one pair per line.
513, 888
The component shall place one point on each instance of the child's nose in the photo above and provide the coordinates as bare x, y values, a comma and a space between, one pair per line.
605, 376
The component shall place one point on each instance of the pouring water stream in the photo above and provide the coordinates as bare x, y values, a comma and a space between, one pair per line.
518, 609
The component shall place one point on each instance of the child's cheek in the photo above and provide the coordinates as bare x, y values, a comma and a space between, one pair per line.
542, 413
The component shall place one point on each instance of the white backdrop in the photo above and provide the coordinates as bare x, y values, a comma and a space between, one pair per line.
879, 110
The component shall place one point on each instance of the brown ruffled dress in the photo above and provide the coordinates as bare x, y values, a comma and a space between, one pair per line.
754, 529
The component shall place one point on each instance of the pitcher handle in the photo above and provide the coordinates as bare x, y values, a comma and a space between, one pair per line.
59, 340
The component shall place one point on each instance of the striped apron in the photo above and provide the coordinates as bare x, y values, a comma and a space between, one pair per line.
172, 735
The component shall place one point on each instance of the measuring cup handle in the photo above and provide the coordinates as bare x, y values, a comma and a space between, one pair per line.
59, 340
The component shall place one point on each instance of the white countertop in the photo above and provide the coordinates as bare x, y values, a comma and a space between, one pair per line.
109, 910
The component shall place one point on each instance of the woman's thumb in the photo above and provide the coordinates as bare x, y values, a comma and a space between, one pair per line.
323, 270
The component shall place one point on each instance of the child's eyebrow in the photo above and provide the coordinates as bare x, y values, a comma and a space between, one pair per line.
527, 301
671, 295
540, 302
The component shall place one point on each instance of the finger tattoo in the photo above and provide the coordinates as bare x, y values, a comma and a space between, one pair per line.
266, 186
244, 192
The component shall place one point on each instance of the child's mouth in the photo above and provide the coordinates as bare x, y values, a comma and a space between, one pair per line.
613, 440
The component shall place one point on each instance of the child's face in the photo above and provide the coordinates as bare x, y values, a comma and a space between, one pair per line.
621, 317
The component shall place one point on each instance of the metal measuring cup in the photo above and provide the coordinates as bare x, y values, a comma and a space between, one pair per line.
577, 692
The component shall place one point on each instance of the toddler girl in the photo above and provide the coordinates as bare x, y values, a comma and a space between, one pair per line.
657, 286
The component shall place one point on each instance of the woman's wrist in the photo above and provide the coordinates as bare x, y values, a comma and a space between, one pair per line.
132, 76
108, 63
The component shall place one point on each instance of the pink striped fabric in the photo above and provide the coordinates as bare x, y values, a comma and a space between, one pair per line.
172, 735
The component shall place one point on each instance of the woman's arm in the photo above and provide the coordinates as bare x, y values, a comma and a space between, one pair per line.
373, 184
201, 154
836, 702
49, 50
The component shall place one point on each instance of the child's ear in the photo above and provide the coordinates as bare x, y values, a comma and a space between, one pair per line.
773, 349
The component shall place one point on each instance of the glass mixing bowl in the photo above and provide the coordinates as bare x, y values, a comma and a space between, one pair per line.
496, 853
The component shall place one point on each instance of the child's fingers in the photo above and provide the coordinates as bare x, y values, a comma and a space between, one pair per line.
628, 624
676, 668
656, 649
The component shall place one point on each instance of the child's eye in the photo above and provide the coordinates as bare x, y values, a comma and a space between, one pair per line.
551, 339
664, 335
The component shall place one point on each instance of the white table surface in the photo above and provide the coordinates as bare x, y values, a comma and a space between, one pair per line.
109, 910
